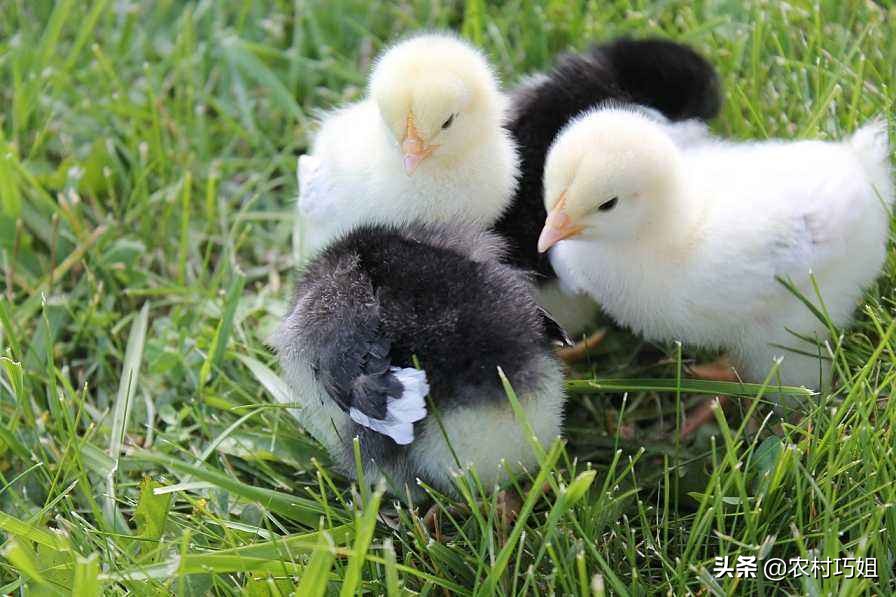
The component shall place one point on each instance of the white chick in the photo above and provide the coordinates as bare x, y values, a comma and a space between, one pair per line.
576, 310
670, 78
688, 242
426, 144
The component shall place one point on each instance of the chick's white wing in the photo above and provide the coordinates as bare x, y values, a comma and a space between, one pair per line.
339, 174
317, 204
314, 187
838, 226
802, 216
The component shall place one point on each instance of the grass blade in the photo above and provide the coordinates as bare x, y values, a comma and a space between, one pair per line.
18, 528
127, 388
24, 560
293, 507
490, 584
365, 526
222, 333
316, 575
275, 386
690, 386
87, 576
278, 556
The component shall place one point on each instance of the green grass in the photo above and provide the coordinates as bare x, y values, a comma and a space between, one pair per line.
147, 177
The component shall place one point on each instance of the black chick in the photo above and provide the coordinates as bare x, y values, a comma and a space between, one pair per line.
384, 300
668, 77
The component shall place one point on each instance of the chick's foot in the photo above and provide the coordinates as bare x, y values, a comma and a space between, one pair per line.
719, 370
702, 415
578, 351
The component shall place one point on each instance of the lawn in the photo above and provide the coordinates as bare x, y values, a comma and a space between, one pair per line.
147, 189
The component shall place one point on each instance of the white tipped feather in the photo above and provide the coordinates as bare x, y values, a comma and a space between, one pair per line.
401, 411
412, 406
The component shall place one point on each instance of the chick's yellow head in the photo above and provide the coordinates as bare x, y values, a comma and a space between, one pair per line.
437, 96
610, 174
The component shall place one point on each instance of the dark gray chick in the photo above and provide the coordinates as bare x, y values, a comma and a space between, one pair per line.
383, 299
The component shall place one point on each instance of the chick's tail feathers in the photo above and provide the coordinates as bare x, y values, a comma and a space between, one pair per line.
402, 411
667, 76
872, 148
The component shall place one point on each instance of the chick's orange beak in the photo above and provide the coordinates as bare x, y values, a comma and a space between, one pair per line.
557, 226
414, 148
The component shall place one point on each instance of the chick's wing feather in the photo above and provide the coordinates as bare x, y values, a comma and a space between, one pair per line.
338, 316
824, 220
348, 141
338, 173
315, 188
796, 218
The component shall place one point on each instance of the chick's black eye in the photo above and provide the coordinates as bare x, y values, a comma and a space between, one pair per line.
448, 122
608, 205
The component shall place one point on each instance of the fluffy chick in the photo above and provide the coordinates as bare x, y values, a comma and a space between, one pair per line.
688, 243
426, 144
383, 299
668, 77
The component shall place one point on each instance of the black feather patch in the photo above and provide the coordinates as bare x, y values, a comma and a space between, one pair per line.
385, 296
666, 76
355, 369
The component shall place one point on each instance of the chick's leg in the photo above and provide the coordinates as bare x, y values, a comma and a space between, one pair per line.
578, 351
702, 415
719, 370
